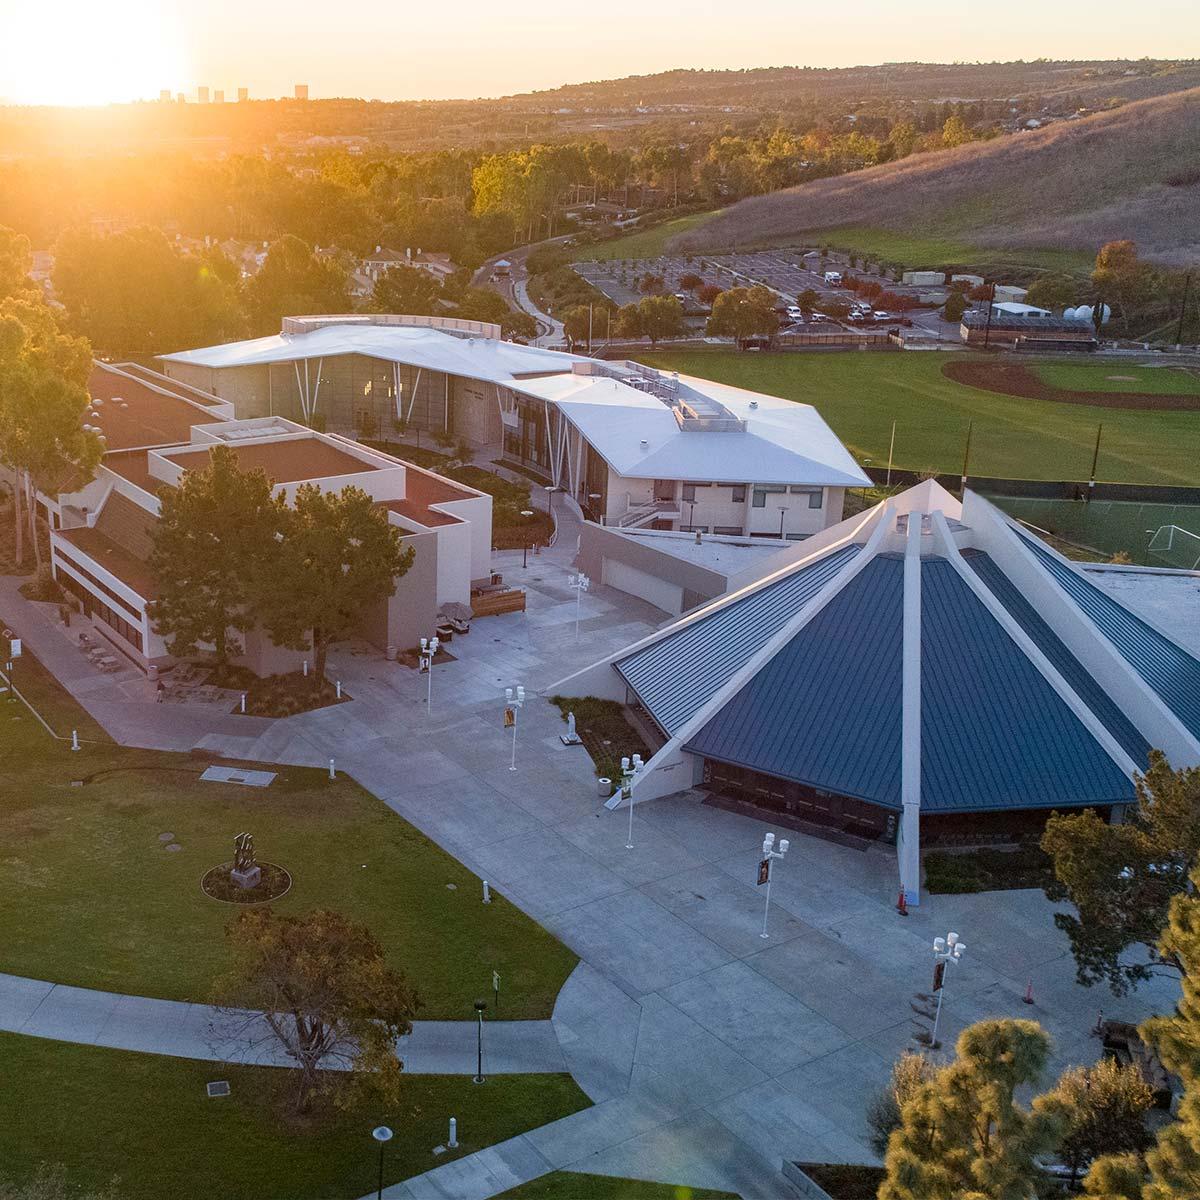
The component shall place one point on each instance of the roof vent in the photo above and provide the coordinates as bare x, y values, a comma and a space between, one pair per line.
699, 538
753, 404
645, 443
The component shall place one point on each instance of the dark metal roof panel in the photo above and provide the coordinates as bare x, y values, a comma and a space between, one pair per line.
1080, 679
1168, 669
994, 732
825, 711
677, 675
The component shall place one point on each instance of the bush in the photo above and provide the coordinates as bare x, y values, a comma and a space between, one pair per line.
987, 870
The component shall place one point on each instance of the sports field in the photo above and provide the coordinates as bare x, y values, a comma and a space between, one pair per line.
860, 394
1120, 377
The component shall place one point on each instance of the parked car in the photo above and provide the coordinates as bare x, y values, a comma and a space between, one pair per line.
795, 313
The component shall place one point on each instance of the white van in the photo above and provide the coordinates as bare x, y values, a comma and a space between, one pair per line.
833, 278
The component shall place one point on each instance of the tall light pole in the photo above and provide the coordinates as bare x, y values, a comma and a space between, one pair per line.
580, 583
480, 1008
782, 514
382, 1134
945, 950
770, 854
526, 513
514, 701
629, 772
429, 649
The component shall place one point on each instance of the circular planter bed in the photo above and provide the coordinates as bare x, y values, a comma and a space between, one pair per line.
218, 884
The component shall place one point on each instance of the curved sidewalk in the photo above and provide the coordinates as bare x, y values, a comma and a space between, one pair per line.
37, 1008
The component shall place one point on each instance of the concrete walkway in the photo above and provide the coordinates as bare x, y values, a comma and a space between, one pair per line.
37, 1008
711, 1052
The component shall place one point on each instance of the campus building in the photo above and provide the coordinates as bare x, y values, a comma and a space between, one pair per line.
926, 671
156, 429
634, 447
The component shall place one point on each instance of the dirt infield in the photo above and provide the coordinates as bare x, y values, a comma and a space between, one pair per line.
1014, 379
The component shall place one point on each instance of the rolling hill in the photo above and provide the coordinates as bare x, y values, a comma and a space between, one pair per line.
1130, 173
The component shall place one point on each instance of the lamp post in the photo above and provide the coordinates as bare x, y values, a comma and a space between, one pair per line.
770, 854
629, 772
945, 950
429, 649
592, 498
382, 1134
550, 490
514, 701
580, 583
480, 1009
782, 514
526, 513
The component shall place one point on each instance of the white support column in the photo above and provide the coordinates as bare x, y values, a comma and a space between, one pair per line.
908, 843
413, 399
317, 390
397, 391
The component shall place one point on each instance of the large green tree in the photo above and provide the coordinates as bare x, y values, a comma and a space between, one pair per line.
1122, 280
326, 993
43, 398
335, 556
293, 281
962, 1135
214, 532
742, 313
1121, 878
406, 290
16, 262
654, 317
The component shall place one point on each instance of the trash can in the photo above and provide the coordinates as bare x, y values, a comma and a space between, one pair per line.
390, 654
604, 786
152, 673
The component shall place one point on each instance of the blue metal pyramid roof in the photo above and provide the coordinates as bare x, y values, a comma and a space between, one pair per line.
677, 675
1064, 662
1167, 668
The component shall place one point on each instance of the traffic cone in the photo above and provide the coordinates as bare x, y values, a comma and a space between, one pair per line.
902, 904
1029, 992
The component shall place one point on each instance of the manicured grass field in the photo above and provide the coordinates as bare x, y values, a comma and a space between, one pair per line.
1120, 377
58, 708
93, 897
569, 1185
860, 394
649, 243
146, 1120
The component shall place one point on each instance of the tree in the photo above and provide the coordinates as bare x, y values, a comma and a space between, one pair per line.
16, 262
43, 398
956, 304
743, 313
1174, 1162
1104, 1112
577, 325
294, 281
708, 292
909, 1072
336, 555
406, 290
326, 992
807, 300
690, 281
214, 531
1121, 878
963, 1134
651, 284
1120, 276
659, 317
1052, 291
956, 132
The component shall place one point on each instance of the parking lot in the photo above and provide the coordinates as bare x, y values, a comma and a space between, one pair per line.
788, 273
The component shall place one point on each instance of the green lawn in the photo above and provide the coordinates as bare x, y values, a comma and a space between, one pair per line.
860, 395
1120, 377
915, 250
570, 1185
92, 897
147, 1120
647, 243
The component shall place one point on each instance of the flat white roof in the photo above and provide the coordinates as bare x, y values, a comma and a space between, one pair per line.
725, 555
1168, 599
419, 346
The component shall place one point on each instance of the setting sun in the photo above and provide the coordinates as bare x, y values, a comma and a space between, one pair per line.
78, 52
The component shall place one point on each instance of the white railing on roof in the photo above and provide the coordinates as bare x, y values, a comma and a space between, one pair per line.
299, 325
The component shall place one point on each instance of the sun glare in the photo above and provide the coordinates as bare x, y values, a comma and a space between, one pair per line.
83, 52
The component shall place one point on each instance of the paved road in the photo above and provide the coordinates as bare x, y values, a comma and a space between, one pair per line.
710, 1052
514, 288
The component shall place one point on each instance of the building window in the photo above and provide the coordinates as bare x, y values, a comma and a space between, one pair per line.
739, 494
689, 492
693, 529
798, 537
815, 495
728, 530
761, 494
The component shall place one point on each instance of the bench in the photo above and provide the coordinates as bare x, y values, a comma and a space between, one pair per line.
492, 604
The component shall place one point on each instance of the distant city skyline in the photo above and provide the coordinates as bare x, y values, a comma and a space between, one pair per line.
78, 52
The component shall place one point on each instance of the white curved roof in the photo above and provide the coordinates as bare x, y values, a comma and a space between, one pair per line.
474, 358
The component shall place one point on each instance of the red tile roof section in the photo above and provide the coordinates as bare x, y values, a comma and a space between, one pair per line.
147, 418
285, 461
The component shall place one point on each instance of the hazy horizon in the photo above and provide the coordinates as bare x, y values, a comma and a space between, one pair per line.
77, 53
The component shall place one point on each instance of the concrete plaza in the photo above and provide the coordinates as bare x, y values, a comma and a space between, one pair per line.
711, 1052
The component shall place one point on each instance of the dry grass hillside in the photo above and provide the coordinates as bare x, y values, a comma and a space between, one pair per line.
1131, 173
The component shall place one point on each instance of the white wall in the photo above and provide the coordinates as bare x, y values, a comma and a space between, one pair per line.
654, 590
